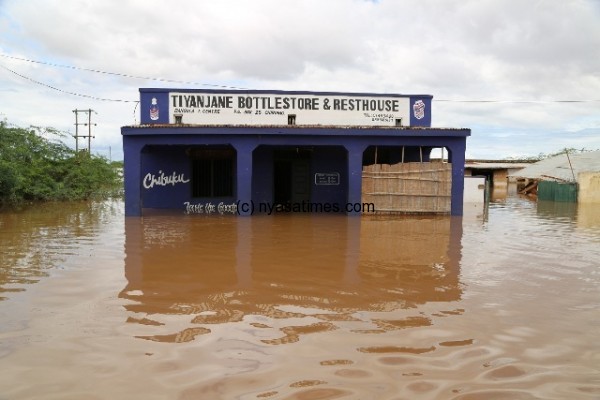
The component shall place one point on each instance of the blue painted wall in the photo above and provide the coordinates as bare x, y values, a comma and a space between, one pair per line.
166, 179
159, 162
150, 150
326, 160
262, 174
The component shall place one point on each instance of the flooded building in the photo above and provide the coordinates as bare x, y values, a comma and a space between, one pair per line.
250, 151
564, 178
499, 173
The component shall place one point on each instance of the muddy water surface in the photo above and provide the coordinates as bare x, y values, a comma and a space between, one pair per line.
501, 305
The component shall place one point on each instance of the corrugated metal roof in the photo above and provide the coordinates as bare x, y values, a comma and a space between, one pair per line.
559, 168
299, 126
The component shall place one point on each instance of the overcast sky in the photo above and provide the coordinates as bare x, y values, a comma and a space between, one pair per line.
528, 57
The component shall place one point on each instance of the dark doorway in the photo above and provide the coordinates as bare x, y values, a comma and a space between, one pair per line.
291, 176
212, 171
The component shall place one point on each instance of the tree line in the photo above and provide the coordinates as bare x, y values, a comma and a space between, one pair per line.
35, 165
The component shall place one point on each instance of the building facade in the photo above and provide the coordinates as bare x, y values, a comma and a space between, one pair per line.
247, 151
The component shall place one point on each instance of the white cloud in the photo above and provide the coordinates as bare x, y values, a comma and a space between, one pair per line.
464, 50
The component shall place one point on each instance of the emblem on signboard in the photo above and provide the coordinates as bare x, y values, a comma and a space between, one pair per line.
419, 109
154, 110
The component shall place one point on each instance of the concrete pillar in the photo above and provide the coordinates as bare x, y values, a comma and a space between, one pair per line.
457, 157
244, 177
132, 152
355, 156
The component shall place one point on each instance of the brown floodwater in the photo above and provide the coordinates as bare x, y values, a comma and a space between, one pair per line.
503, 303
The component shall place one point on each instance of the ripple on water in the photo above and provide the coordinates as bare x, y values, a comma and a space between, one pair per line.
497, 395
396, 349
504, 308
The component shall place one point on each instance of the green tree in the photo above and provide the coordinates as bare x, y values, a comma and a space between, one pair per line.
36, 165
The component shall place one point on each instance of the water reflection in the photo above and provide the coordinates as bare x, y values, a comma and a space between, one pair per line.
582, 215
301, 306
45, 237
557, 210
588, 216
338, 271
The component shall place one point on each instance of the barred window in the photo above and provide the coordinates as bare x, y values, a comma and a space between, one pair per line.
213, 172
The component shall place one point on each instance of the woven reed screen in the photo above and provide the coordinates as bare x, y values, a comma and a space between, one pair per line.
413, 187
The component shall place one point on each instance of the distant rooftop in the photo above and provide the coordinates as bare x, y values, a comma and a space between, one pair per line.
497, 164
482, 161
559, 167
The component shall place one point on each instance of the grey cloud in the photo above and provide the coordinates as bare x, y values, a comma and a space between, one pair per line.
467, 49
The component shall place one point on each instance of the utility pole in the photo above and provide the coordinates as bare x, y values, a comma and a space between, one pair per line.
88, 124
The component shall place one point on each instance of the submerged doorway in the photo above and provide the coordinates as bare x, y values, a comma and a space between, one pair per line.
291, 176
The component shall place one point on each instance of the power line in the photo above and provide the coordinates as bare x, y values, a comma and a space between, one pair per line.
482, 101
516, 101
66, 91
121, 74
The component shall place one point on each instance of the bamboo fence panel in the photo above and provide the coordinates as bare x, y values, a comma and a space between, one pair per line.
412, 187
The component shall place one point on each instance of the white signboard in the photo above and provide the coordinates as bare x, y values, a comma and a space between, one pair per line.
286, 109
327, 178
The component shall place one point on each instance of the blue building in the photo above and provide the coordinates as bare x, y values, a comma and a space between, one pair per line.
250, 151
